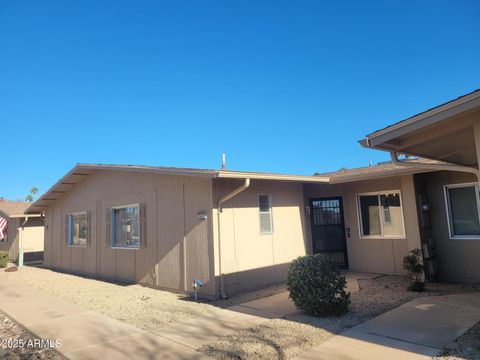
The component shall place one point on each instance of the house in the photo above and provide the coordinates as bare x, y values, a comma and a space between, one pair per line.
24, 232
165, 227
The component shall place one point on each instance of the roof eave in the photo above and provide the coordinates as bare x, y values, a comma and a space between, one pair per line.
430, 117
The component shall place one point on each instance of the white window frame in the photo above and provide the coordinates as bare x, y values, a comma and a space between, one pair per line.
112, 227
359, 216
70, 233
448, 210
264, 212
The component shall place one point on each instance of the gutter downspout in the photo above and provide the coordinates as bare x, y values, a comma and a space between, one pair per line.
452, 167
235, 192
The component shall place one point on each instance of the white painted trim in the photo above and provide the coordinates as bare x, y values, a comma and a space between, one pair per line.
446, 199
359, 219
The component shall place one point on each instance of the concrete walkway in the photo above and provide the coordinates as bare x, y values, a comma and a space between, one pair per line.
418, 329
85, 334
222, 322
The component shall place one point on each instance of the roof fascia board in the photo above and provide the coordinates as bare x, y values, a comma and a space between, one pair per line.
274, 177
59, 182
352, 178
165, 171
430, 117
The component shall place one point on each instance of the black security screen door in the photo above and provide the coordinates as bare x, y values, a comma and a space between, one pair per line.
328, 229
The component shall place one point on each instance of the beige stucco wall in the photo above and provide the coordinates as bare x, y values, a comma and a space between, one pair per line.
457, 259
366, 254
249, 259
31, 234
179, 245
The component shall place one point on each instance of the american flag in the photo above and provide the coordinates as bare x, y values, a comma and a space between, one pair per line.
3, 228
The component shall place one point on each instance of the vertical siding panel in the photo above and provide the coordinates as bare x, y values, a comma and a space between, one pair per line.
47, 251
145, 258
125, 264
198, 198
90, 252
57, 237
107, 254
170, 236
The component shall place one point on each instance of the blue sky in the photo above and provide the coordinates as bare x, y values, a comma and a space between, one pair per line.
281, 86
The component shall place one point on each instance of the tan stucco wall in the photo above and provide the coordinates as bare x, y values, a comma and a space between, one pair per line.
374, 255
249, 259
179, 245
32, 236
457, 259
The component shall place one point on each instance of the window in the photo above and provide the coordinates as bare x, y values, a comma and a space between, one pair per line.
462, 210
77, 229
380, 215
265, 207
126, 226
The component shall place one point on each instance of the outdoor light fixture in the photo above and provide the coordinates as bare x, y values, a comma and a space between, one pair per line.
202, 215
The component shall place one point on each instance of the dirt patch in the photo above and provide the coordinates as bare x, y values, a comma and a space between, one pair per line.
18, 343
466, 346
137, 305
288, 337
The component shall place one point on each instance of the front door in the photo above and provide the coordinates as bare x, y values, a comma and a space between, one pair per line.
328, 229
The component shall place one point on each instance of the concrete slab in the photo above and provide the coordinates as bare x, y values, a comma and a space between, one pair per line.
198, 331
138, 346
354, 345
83, 330
29, 306
418, 329
84, 334
352, 278
431, 321
279, 304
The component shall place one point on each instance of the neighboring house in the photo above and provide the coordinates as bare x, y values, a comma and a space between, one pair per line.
166, 227
24, 231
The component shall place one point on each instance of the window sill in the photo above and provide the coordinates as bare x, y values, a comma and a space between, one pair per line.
77, 246
125, 247
465, 237
399, 237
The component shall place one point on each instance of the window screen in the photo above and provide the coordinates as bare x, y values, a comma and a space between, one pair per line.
126, 227
380, 215
78, 229
265, 207
463, 211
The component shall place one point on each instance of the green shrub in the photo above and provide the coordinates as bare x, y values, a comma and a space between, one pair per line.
413, 265
3, 259
317, 286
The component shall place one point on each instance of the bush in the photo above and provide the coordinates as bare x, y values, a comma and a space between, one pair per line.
317, 286
3, 259
413, 265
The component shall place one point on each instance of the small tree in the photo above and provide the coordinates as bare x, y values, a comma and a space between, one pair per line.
412, 263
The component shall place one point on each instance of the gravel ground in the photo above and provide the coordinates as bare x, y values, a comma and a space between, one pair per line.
294, 334
465, 347
18, 343
137, 305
